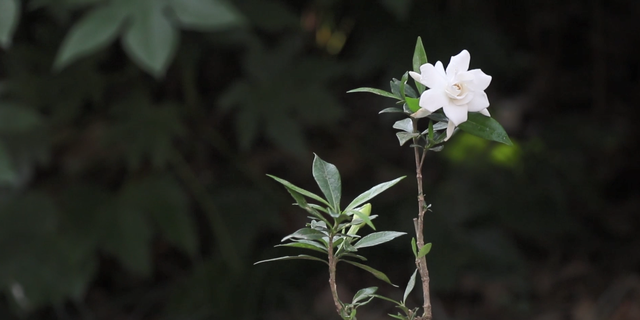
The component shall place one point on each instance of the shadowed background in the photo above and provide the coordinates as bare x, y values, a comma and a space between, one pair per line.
135, 137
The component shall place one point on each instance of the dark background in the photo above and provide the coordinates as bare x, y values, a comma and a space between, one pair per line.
128, 196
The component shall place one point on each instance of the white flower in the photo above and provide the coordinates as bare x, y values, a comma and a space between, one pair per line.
458, 90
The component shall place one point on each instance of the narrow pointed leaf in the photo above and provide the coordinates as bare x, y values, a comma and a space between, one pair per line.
424, 250
303, 192
410, 285
302, 203
363, 294
391, 110
376, 91
486, 128
298, 257
328, 179
405, 125
371, 193
353, 255
378, 274
396, 316
419, 55
386, 298
419, 58
376, 238
304, 245
364, 218
305, 233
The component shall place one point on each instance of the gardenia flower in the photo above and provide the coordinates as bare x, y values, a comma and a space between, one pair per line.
457, 90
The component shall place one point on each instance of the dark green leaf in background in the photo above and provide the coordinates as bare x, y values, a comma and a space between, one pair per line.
95, 31
206, 15
151, 40
9, 17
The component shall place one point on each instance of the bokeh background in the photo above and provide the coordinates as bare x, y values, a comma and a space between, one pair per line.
134, 148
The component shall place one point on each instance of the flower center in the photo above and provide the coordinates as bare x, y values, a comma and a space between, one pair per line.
456, 91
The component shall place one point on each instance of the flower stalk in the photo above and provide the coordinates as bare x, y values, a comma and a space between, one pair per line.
418, 223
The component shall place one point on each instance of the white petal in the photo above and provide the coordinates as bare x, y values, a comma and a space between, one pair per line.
480, 79
433, 99
456, 114
479, 102
416, 76
440, 68
450, 128
485, 112
468, 97
459, 63
430, 77
421, 113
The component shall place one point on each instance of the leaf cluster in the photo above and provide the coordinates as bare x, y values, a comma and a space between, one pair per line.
326, 231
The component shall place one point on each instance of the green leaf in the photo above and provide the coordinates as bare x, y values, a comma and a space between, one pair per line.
419, 58
396, 316
206, 15
17, 118
405, 125
376, 273
328, 179
364, 217
303, 244
151, 40
8, 174
376, 91
412, 104
165, 205
403, 137
376, 238
128, 237
363, 294
306, 234
410, 285
424, 250
298, 257
9, 16
400, 8
95, 31
353, 255
386, 299
391, 110
486, 128
303, 192
371, 193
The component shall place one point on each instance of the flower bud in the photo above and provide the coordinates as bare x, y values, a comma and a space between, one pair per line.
366, 210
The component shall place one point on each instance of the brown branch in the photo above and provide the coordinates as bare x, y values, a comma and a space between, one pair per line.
418, 224
332, 277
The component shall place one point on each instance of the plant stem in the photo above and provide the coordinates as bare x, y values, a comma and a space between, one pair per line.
332, 277
418, 224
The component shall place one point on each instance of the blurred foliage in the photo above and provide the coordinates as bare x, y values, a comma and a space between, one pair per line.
135, 135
